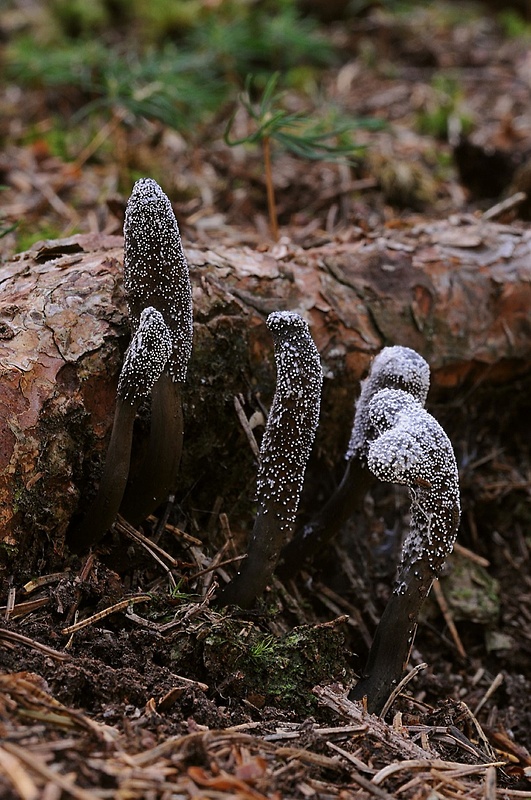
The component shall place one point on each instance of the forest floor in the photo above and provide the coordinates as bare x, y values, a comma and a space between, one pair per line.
117, 678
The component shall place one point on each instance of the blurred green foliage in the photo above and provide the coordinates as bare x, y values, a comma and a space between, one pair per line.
444, 108
171, 61
513, 24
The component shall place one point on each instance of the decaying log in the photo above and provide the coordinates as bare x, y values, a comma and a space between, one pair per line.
458, 292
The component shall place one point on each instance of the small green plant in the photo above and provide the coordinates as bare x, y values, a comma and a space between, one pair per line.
301, 134
178, 592
263, 648
259, 38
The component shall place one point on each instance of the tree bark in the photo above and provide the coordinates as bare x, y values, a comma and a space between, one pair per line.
458, 292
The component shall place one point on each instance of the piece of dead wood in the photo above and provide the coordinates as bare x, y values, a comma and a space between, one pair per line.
457, 291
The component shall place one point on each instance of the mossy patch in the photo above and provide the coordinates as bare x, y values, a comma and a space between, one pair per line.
241, 659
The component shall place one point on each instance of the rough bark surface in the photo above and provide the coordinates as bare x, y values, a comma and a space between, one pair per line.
458, 292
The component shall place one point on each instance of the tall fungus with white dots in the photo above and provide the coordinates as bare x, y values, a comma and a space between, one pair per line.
155, 269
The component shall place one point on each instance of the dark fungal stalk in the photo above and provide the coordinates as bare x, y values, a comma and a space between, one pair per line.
144, 362
394, 367
412, 449
156, 274
284, 453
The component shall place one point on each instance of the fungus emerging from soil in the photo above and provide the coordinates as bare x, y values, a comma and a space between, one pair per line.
394, 368
156, 274
144, 362
410, 448
284, 453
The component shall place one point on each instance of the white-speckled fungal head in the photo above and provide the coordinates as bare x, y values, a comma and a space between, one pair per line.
146, 357
294, 415
411, 448
394, 367
156, 271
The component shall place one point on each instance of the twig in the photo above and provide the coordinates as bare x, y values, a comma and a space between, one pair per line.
124, 527
431, 764
104, 133
487, 751
244, 422
447, 614
355, 618
365, 783
11, 595
466, 553
25, 640
270, 189
213, 566
44, 580
490, 784
179, 534
143, 598
352, 758
398, 688
504, 205
84, 572
21, 609
496, 683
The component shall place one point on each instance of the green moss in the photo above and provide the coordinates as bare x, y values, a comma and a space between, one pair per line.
244, 660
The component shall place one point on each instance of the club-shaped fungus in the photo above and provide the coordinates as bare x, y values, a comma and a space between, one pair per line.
409, 448
284, 453
156, 274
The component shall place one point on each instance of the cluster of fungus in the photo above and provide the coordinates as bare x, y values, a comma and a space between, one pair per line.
284, 453
393, 439
394, 367
159, 297
156, 273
